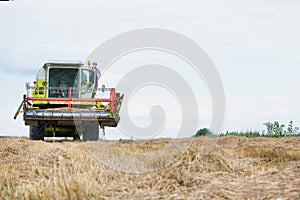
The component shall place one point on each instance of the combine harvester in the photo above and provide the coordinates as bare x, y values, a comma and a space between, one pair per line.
61, 103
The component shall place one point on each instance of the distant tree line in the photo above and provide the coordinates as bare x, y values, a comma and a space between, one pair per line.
273, 130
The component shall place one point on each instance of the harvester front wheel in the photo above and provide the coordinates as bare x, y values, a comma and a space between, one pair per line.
37, 132
91, 133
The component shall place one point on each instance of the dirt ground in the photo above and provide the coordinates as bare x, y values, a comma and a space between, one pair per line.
222, 168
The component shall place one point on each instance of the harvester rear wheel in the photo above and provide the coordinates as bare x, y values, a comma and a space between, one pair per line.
37, 132
91, 133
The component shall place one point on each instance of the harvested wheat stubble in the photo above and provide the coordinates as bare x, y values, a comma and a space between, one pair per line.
235, 168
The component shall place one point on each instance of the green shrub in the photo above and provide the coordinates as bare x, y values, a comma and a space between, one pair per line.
277, 130
203, 132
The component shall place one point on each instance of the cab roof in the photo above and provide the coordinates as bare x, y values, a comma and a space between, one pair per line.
63, 63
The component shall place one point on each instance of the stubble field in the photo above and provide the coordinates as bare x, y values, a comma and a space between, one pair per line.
234, 168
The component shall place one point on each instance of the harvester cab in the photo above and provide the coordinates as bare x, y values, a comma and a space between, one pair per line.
60, 103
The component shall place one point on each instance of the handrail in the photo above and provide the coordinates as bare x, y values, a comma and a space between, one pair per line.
70, 100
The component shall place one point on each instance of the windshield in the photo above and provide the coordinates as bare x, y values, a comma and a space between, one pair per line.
62, 78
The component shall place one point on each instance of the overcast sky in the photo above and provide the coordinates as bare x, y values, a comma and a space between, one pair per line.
254, 44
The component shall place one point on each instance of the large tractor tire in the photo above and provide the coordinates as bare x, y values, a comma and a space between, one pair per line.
37, 132
91, 133
76, 137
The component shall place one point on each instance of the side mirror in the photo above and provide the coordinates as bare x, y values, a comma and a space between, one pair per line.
27, 85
